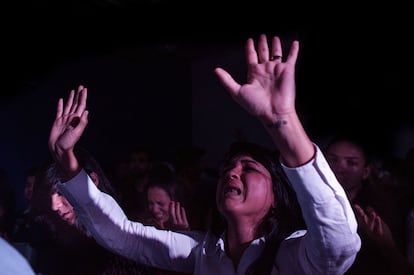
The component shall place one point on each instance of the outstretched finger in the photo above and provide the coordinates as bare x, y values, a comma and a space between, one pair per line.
359, 213
378, 225
173, 212
184, 217
263, 49
83, 95
69, 102
276, 54
178, 215
59, 109
74, 105
80, 125
227, 81
373, 221
293, 53
251, 54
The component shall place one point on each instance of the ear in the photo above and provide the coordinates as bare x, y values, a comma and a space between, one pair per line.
274, 202
273, 206
94, 177
367, 171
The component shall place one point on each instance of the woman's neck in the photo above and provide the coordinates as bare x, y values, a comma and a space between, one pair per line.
239, 236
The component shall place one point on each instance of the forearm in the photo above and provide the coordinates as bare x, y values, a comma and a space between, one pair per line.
108, 224
67, 163
290, 139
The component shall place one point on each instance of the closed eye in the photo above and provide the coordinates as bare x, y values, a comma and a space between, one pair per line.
250, 168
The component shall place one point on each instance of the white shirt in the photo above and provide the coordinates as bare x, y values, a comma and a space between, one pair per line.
12, 262
329, 246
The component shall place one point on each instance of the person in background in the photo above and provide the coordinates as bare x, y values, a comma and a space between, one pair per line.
258, 192
132, 181
379, 218
22, 232
166, 203
62, 243
166, 199
200, 185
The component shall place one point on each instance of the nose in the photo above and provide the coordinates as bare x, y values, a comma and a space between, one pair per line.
56, 202
153, 208
340, 165
234, 173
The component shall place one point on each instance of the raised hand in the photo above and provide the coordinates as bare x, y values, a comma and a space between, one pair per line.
270, 89
377, 230
178, 216
270, 94
69, 124
373, 226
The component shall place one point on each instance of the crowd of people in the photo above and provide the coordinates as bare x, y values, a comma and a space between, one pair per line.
297, 208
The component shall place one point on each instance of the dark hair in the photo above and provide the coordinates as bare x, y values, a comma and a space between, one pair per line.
46, 182
282, 220
163, 175
89, 164
40, 202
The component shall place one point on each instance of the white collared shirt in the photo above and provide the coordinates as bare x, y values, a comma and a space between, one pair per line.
329, 245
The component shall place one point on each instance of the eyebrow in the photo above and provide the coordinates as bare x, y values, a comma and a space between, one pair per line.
345, 157
250, 161
243, 161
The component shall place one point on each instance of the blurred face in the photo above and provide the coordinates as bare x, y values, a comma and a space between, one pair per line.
28, 188
245, 189
139, 163
158, 204
63, 208
349, 164
61, 205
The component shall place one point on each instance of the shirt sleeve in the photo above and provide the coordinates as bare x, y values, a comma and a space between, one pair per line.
331, 242
108, 224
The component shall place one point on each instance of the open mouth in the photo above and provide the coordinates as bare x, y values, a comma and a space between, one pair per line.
65, 216
230, 190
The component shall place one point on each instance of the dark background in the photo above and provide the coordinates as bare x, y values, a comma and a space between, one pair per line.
149, 69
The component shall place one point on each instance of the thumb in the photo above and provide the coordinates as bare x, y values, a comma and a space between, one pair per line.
227, 81
82, 122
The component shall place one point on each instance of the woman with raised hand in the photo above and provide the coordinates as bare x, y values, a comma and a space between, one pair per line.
263, 195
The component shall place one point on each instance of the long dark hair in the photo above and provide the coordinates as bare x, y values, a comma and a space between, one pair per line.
280, 221
51, 176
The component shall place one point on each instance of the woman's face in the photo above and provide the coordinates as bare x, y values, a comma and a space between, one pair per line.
244, 189
158, 204
348, 163
63, 208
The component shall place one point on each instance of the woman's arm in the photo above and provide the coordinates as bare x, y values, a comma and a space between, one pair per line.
99, 212
108, 224
331, 242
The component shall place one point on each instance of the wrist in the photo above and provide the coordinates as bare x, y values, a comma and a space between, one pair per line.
67, 163
277, 120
